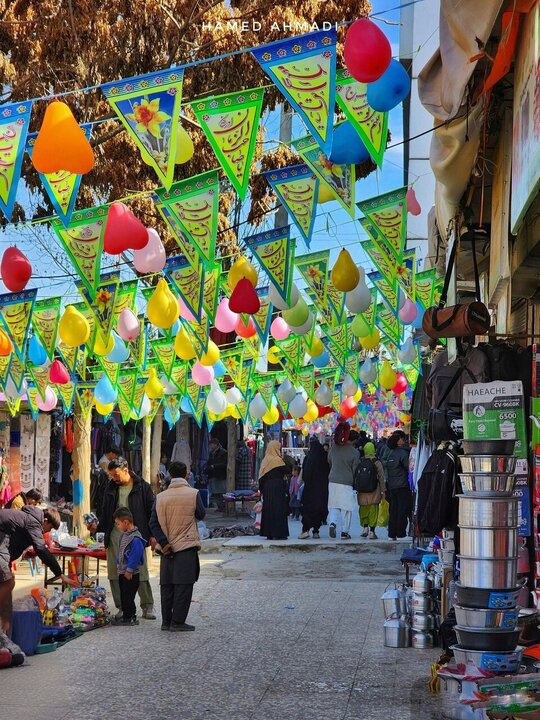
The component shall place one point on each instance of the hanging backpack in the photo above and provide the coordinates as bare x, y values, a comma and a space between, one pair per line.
365, 477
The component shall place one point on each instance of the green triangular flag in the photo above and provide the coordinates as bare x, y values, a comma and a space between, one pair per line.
45, 320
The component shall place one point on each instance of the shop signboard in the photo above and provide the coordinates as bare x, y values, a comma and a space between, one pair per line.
495, 411
526, 134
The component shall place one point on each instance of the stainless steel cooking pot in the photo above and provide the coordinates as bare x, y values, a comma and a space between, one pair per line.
422, 621
488, 542
422, 583
481, 618
422, 639
397, 633
500, 662
488, 483
488, 512
394, 602
488, 463
421, 603
488, 572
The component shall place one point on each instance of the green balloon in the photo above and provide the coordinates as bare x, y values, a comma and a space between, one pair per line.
359, 327
297, 315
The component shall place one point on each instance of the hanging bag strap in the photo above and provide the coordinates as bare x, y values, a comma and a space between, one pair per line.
449, 270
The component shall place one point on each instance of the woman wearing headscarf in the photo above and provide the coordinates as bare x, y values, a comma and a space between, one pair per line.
368, 502
315, 493
275, 495
343, 459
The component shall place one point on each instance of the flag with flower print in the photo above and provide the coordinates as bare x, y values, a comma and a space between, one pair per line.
149, 108
339, 179
85, 397
298, 189
314, 270
102, 304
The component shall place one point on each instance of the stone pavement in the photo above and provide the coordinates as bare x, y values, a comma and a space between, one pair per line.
281, 635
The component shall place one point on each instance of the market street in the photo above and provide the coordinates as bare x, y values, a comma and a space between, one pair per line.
281, 635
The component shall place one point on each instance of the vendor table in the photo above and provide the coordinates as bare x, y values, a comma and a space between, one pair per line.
67, 555
246, 506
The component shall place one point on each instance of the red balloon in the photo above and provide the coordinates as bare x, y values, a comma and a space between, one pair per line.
245, 331
244, 298
401, 384
348, 407
123, 231
367, 51
16, 269
58, 373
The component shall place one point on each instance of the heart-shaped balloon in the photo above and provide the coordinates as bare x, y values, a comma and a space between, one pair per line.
123, 231
16, 269
244, 298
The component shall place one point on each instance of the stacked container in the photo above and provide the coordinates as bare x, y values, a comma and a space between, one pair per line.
423, 620
487, 590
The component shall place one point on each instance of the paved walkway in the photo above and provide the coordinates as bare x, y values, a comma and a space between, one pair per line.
281, 635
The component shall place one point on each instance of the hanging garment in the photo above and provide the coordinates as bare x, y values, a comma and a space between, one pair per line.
437, 501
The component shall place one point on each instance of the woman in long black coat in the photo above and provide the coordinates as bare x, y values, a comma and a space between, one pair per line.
315, 493
275, 494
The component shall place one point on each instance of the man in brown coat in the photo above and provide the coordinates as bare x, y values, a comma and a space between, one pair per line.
174, 525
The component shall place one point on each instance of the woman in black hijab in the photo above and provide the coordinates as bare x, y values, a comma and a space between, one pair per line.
315, 493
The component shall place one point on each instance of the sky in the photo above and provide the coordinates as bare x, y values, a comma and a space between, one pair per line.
333, 226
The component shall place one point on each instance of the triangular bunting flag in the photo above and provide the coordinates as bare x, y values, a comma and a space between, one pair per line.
125, 408
62, 186
406, 273
243, 410
232, 360
266, 385
388, 213
339, 179
139, 346
293, 350
67, 395
31, 399
193, 392
179, 376
82, 239
263, 317
194, 203
5, 362
13, 405
314, 270
389, 291
371, 125
244, 376
198, 409
165, 354
127, 380
40, 376
149, 108
298, 189
189, 250
337, 345
306, 378
125, 298
304, 70
211, 290
111, 370
45, 319
388, 324
16, 372
274, 250
230, 122
336, 300
328, 375
199, 334
188, 281
351, 366
425, 287
14, 122
69, 356
102, 304
84, 393
155, 406
15, 314
138, 394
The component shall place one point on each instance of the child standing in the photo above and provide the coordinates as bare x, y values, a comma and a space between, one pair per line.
130, 560
295, 503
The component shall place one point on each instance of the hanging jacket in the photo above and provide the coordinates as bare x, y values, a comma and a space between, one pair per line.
437, 501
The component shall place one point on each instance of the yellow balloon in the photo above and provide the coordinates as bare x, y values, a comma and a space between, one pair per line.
153, 387
387, 376
99, 346
317, 347
370, 342
325, 194
104, 409
212, 355
184, 146
162, 309
345, 274
305, 431
271, 416
312, 412
273, 355
73, 328
234, 413
358, 395
242, 268
183, 346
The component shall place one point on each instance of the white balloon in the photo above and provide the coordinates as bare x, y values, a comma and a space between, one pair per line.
359, 299
10, 390
407, 354
349, 386
368, 372
278, 302
323, 395
257, 407
216, 402
146, 406
233, 395
298, 406
286, 391
305, 328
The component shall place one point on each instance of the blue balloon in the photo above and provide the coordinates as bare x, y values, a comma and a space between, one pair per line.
36, 352
219, 369
169, 418
417, 324
185, 405
175, 328
120, 351
347, 147
104, 392
322, 360
390, 89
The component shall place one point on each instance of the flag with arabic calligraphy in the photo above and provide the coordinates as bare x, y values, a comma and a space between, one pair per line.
194, 204
188, 281
67, 395
336, 300
40, 376
389, 291
230, 122
126, 384
31, 399
45, 321
125, 298
82, 239
336, 342
263, 317
148, 106
274, 250
179, 376
314, 270
425, 287
16, 371
5, 362
14, 122
388, 323
15, 315
188, 248
124, 407
61, 186
85, 310
265, 384
388, 214
102, 304
165, 354
406, 273
371, 125
304, 71
339, 179
199, 333
211, 289
298, 189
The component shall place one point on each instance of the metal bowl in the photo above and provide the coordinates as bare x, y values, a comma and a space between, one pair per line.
488, 447
489, 598
488, 484
497, 464
489, 639
480, 618
498, 662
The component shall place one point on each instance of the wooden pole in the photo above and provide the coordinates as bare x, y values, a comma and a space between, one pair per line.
146, 448
231, 454
156, 450
82, 455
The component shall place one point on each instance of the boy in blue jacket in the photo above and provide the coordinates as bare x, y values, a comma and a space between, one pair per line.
130, 559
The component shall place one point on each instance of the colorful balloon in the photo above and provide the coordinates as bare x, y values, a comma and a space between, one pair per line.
129, 327
226, 319
104, 410
297, 315
278, 302
15, 269
242, 269
6, 346
36, 352
185, 149
61, 144
370, 341
47, 403
120, 351
271, 416
183, 346
58, 373
347, 408
211, 356
152, 257
390, 89
345, 275
153, 387
99, 345
347, 146
104, 392
257, 407
387, 376
244, 298
202, 374
298, 406
279, 329
73, 328
245, 331
408, 312
162, 309
413, 206
367, 51
123, 230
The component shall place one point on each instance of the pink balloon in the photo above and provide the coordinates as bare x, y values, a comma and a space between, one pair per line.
128, 326
202, 374
50, 400
185, 312
408, 312
152, 257
413, 206
279, 329
226, 319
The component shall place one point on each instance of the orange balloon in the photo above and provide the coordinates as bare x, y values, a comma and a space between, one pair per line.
6, 346
61, 144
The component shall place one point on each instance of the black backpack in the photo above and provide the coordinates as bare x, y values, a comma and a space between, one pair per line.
365, 476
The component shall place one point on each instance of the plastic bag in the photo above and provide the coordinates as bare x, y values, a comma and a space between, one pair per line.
204, 532
384, 509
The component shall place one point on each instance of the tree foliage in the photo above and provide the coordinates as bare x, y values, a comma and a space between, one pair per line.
54, 46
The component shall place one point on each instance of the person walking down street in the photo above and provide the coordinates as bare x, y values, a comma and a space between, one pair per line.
315, 494
174, 525
368, 502
398, 490
131, 547
343, 459
216, 470
244, 478
275, 495
295, 493
126, 489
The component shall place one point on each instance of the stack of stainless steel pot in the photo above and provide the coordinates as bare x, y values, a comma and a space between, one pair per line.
488, 558
423, 620
396, 626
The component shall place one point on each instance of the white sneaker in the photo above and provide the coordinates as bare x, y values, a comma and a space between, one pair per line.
148, 613
303, 536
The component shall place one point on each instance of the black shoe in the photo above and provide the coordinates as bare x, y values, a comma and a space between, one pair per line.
332, 530
124, 622
165, 626
184, 627
345, 536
